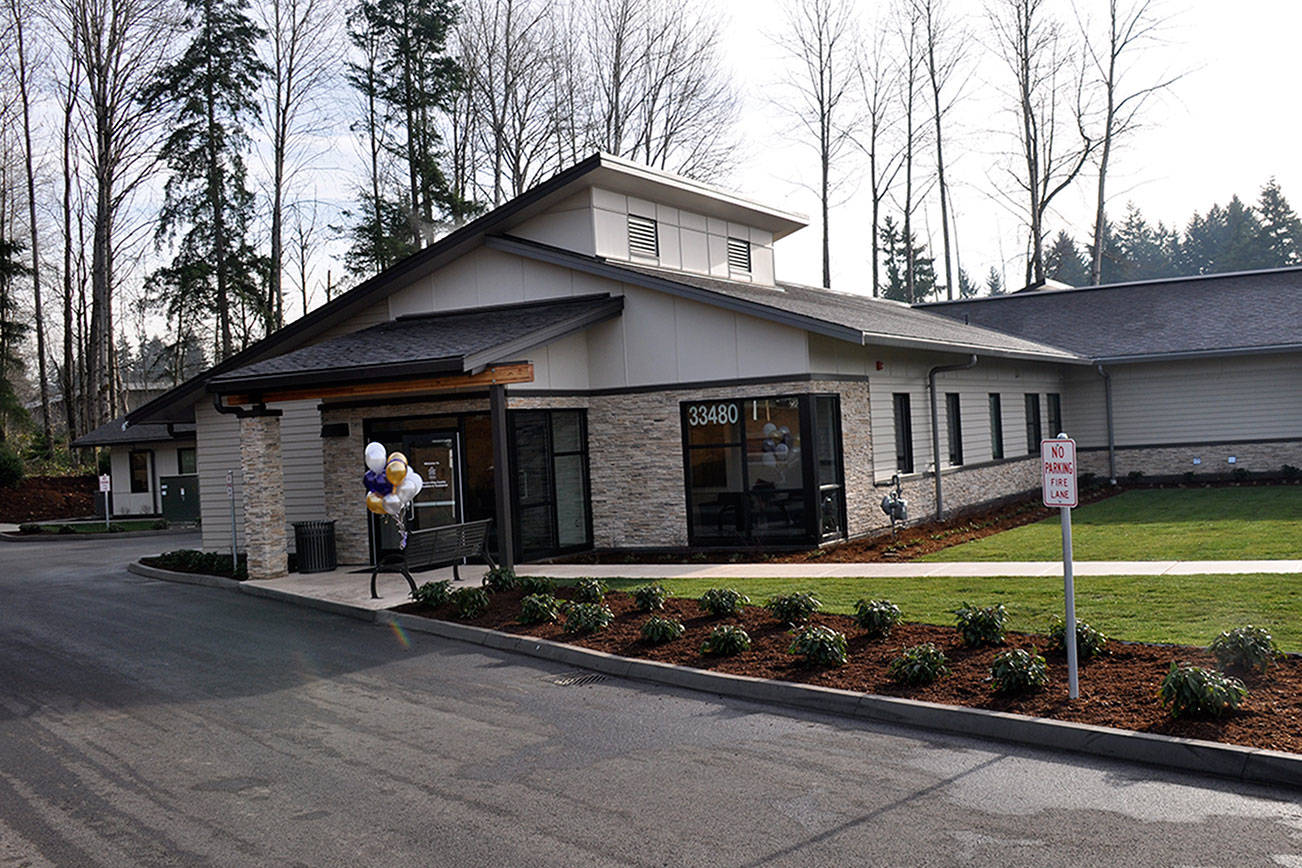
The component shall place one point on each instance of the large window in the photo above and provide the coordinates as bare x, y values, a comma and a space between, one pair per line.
139, 467
551, 481
186, 460
1055, 413
996, 427
954, 427
1033, 435
763, 469
903, 433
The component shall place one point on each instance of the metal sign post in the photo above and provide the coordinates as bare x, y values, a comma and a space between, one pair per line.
1058, 482
230, 493
105, 484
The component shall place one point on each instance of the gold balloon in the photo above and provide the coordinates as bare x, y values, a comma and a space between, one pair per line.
395, 470
397, 456
375, 503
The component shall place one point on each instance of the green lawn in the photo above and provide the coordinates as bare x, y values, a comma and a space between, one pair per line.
1158, 524
123, 526
1187, 610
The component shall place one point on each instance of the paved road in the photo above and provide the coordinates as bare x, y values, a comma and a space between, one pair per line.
148, 723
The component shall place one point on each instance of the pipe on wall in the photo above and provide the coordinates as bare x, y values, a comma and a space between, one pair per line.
935, 425
1112, 445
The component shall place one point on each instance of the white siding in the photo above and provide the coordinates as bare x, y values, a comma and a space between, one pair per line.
300, 453
567, 225
162, 463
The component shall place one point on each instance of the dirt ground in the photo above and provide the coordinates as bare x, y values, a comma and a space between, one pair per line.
1117, 690
38, 498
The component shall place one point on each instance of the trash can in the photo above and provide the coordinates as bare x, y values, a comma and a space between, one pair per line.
315, 543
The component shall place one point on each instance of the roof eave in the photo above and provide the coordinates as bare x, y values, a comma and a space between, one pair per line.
1265, 349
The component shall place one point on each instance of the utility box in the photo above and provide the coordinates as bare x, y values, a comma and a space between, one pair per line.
180, 497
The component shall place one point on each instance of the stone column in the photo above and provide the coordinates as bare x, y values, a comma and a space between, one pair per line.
264, 496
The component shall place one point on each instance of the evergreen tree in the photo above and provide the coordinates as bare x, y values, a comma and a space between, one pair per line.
897, 252
211, 89
994, 282
1145, 252
967, 287
1280, 227
1064, 262
1245, 246
12, 332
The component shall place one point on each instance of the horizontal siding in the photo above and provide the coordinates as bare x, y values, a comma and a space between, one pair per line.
218, 440
300, 443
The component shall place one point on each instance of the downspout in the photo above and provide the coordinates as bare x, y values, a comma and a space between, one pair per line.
1112, 446
935, 424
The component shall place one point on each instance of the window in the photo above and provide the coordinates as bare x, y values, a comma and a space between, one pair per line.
996, 427
186, 460
903, 433
550, 458
739, 255
1033, 435
139, 466
954, 427
642, 237
1055, 413
763, 470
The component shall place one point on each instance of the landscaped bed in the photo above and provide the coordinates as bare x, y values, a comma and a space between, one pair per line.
1119, 689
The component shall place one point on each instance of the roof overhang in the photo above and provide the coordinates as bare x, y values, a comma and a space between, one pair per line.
324, 390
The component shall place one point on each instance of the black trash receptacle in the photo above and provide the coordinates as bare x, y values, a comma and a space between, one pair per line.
315, 543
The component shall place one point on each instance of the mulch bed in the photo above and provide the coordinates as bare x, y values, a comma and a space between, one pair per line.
1118, 690
39, 498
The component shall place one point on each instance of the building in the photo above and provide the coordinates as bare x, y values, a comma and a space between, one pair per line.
616, 338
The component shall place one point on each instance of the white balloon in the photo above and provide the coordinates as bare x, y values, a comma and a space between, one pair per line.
376, 457
392, 504
406, 491
414, 479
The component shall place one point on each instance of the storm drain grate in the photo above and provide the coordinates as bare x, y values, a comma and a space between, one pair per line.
574, 679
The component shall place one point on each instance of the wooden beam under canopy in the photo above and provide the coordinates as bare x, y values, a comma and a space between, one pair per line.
521, 372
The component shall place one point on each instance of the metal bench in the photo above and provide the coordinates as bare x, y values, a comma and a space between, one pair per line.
436, 547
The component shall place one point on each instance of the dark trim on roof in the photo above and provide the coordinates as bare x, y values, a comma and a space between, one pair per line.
1200, 354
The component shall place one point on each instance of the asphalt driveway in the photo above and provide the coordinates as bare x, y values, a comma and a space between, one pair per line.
145, 723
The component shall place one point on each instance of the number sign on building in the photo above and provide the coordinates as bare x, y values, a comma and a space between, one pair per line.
1058, 471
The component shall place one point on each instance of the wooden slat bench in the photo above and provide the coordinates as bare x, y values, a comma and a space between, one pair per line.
436, 547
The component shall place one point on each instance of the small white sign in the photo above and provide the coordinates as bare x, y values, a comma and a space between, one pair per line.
1058, 471
230, 482
105, 483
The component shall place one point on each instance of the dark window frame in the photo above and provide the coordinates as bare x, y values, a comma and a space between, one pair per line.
552, 454
180, 463
1054, 400
1034, 433
904, 458
954, 427
148, 456
996, 427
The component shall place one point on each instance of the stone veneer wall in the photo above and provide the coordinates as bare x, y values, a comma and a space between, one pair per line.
1178, 460
962, 487
263, 497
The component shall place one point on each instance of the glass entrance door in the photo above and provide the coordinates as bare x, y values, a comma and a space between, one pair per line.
436, 458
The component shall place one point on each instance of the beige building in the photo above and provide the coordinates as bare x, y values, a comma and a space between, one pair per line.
608, 361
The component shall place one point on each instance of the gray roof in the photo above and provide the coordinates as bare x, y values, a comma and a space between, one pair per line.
111, 434
842, 315
424, 344
1219, 314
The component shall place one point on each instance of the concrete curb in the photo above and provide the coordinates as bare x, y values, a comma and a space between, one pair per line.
344, 609
1205, 757
203, 579
65, 537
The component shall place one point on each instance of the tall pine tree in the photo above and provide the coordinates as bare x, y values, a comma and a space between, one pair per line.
1064, 262
211, 89
13, 331
897, 254
1280, 227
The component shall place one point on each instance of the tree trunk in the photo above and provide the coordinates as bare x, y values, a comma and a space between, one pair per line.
69, 375
215, 196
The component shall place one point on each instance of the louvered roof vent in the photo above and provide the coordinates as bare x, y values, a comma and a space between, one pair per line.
642, 240
738, 255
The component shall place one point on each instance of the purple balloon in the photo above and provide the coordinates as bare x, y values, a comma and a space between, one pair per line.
377, 483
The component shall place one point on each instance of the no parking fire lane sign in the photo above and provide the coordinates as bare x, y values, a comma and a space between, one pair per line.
1058, 471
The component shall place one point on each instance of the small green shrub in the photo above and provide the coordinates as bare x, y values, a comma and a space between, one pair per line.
658, 630
1090, 643
921, 664
499, 579
433, 594
29, 527
794, 608
192, 561
537, 585
1245, 648
727, 640
590, 591
1197, 692
1018, 671
877, 617
722, 601
160, 524
587, 617
982, 625
469, 602
820, 646
649, 598
11, 467
1288, 471
66, 529
113, 528
539, 609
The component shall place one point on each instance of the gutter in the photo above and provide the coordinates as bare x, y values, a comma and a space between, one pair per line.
935, 425
1112, 444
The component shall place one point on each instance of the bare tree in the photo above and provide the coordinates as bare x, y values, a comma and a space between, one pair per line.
1049, 83
911, 66
819, 37
1131, 29
876, 77
302, 51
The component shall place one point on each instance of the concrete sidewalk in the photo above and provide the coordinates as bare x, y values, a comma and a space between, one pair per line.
349, 586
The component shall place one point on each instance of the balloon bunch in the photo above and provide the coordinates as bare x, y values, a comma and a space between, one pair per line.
391, 485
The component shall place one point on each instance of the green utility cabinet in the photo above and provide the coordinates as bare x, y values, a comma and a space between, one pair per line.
180, 495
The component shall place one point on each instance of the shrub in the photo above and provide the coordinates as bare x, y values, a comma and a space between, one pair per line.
1194, 691
877, 617
539, 609
29, 527
590, 591
192, 561
67, 529
587, 617
11, 467
1288, 471
794, 608
1245, 648
820, 646
500, 579
469, 602
1090, 643
160, 524
649, 598
537, 585
1240, 474
982, 625
921, 664
658, 630
1135, 475
1018, 671
726, 639
723, 601
433, 594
